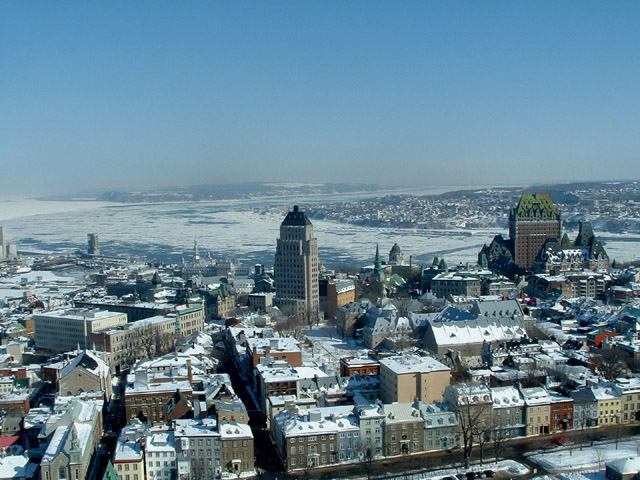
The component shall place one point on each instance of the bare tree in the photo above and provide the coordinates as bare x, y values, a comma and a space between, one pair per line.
147, 340
500, 436
473, 415
609, 364
598, 456
164, 342
368, 455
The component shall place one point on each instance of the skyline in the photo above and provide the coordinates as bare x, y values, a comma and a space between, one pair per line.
105, 97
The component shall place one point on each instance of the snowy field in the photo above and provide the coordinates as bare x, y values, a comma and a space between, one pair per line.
243, 231
588, 460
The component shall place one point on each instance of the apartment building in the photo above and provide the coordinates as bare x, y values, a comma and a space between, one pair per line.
403, 378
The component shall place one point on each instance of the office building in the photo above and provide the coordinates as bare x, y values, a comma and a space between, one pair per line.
296, 267
64, 330
93, 244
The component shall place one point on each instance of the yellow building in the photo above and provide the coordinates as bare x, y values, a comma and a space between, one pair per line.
608, 404
537, 401
403, 378
629, 391
128, 457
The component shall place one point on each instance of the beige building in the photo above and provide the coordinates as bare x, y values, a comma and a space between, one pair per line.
128, 457
64, 330
403, 378
148, 337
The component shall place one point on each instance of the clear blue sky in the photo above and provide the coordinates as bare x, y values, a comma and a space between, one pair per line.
104, 95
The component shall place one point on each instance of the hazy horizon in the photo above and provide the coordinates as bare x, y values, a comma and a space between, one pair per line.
135, 96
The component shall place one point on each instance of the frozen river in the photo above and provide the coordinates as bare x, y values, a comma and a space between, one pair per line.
241, 230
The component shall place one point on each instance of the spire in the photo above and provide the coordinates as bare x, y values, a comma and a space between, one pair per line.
196, 255
378, 263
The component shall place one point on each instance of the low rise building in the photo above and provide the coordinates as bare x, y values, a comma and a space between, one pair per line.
160, 455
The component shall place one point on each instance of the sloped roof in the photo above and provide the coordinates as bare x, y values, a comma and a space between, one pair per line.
536, 204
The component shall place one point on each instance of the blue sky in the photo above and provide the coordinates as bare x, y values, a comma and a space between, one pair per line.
107, 95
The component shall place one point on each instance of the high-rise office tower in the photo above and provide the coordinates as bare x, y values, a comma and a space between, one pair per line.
534, 220
93, 244
3, 244
296, 267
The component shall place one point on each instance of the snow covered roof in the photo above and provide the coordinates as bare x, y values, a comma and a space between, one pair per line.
412, 363
282, 344
536, 396
625, 466
478, 330
234, 430
504, 397
401, 412
90, 362
328, 420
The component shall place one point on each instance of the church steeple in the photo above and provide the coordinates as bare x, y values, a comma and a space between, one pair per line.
196, 255
378, 264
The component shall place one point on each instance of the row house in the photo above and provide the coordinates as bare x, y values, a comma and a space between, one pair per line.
128, 455
537, 402
508, 413
156, 402
403, 429
206, 448
608, 401
279, 378
440, 425
371, 417
318, 437
160, 455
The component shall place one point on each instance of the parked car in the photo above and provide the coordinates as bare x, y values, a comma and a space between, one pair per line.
562, 441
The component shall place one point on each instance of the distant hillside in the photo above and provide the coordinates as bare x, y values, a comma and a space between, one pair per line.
229, 191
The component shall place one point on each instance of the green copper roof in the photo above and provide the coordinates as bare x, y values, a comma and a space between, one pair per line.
536, 204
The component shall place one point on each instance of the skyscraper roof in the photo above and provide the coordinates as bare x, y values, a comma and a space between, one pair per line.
536, 204
296, 218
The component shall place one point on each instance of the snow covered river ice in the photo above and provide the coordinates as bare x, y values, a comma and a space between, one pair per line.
240, 230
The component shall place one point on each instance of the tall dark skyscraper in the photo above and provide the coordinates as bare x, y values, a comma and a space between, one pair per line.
296, 267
